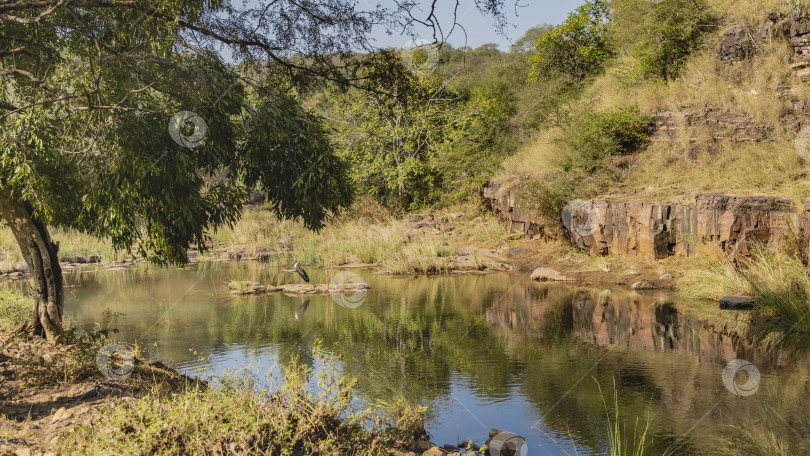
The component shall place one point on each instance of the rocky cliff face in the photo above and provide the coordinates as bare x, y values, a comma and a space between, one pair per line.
734, 224
739, 43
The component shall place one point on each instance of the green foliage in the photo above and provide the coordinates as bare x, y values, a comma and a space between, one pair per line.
659, 35
781, 291
525, 43
593, 139
475, 145
575, 49
104, 161
620, 131
410, 138
778, 283
547, 199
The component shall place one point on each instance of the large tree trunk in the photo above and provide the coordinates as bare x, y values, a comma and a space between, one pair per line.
42, 258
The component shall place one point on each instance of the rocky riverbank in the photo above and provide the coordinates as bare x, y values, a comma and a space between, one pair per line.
425, 243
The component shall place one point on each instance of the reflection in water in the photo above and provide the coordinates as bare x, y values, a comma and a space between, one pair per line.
483, 351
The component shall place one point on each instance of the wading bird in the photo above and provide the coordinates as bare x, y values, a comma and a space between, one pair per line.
303, 308
301, 271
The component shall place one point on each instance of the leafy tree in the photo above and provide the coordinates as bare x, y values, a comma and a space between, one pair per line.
391, 130
476, 143
525, 44
659, 35
119, 120
575, 49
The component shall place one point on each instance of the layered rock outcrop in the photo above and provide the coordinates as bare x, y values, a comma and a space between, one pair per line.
739, 43
722, 125
733, 224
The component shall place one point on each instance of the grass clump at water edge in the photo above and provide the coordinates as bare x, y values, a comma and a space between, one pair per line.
241, 415
778, 283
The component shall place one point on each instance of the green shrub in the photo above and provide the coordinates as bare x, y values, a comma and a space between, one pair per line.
592, 140
546, 199
618, 132
575, 49
659, 35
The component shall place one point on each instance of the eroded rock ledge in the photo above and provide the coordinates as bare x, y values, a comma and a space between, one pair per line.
734, 224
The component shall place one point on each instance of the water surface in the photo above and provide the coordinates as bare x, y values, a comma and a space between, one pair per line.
482, 351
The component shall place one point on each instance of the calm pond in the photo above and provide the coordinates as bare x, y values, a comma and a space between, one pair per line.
482, 351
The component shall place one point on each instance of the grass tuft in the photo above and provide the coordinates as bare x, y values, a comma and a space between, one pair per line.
241, 415
15, 308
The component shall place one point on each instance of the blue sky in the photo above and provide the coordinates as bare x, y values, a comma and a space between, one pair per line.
481, 29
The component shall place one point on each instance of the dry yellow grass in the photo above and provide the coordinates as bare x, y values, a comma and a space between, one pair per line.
749, 13
751, 89
693, 161
536, 158
71, 244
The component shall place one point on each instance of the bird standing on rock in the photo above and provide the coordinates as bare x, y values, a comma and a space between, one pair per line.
301, 271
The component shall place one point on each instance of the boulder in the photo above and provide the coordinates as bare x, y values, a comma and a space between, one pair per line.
736, 303
423, 445
736, 44
549, 275
434, 451
246, 288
